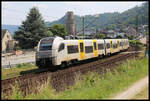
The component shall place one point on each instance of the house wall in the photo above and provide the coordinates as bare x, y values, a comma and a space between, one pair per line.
5, 39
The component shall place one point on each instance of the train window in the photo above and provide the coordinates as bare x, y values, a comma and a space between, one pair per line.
81, 47
46, 44
120, 43
47, 41
95, 48
88, 49
72, 49
108, 45
114, 45
61, 47
123, 43
45, 47
100, 46
76, 49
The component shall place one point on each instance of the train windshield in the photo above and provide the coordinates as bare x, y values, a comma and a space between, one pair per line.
46, 44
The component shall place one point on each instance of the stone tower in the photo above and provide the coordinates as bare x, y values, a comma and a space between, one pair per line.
70, 27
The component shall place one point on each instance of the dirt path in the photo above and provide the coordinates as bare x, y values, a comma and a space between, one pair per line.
133, 90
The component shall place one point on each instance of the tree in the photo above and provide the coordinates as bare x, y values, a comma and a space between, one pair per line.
32, 30
58, 30
100, 36
119, 36
81, 34
145, 33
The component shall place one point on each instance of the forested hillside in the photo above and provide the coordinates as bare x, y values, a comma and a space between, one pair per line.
129, 17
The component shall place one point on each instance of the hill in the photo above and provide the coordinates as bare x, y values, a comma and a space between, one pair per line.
11, 28
126, 18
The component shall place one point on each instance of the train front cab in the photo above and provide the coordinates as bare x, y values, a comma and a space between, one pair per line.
43, 54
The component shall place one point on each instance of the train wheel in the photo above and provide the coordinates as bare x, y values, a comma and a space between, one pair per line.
40, 67
64, 65
73, 62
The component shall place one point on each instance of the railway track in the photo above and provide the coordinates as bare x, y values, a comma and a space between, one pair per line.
61, 79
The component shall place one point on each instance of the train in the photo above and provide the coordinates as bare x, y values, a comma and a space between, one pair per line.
57, 51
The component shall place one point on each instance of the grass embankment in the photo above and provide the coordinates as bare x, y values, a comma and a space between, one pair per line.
143, 94
95, 86
15, 71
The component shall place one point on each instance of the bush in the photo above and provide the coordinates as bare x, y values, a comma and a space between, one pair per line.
135, 42
23, 65
19, 65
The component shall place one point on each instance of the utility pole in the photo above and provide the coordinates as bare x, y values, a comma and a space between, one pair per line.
83, 27
95, 32
75, 32
136, 25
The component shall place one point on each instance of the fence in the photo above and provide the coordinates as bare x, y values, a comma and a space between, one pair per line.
13, 65
13, 60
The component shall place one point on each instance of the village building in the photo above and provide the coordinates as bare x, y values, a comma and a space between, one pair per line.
8, 43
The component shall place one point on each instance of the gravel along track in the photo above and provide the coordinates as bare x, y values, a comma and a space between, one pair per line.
61, 79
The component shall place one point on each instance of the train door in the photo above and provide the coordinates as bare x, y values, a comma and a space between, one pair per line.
81, 49
118, 45
95, 48
111, 46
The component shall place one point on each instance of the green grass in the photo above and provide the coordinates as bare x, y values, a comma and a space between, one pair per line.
95, 86
12, 72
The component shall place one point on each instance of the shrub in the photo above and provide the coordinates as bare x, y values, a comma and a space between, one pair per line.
135, 42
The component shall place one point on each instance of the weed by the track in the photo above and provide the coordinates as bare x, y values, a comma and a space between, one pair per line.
95, 86
12, 72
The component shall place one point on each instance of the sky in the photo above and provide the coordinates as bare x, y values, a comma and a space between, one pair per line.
13, 13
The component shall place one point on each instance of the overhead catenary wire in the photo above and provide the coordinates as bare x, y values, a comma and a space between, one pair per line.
86, 25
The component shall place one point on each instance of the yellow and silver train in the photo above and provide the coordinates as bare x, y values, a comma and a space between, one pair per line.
57, 51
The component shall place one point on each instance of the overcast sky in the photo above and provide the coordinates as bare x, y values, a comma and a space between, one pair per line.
13, 13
